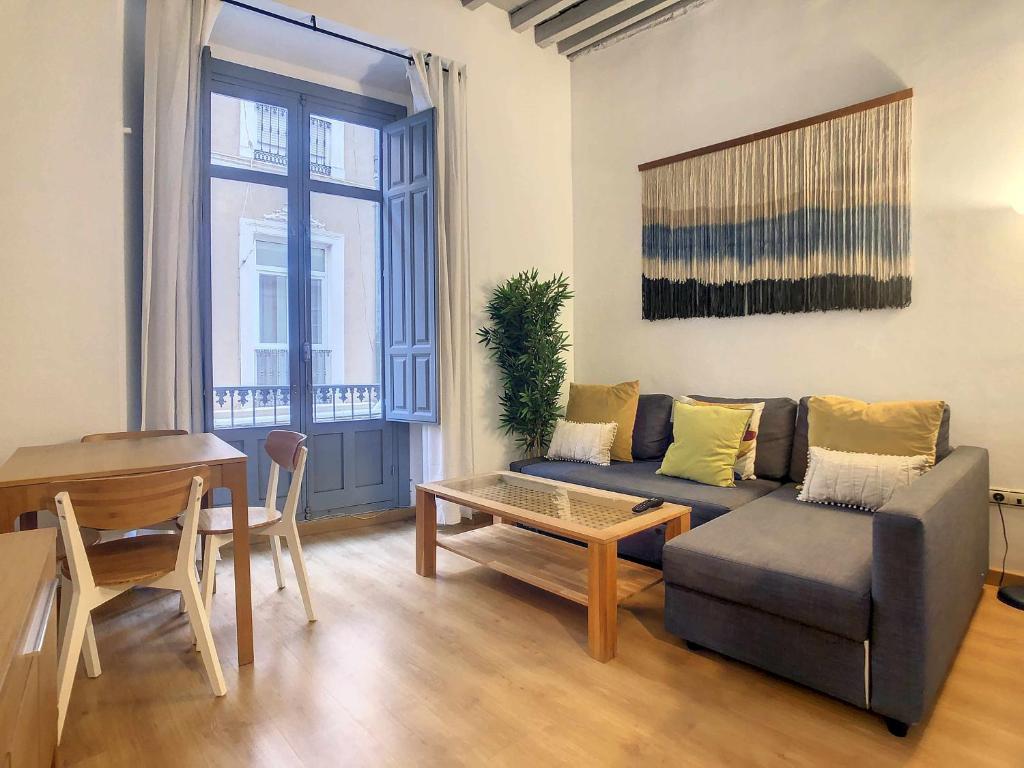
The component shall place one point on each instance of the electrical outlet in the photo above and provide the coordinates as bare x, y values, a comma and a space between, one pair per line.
1004, 496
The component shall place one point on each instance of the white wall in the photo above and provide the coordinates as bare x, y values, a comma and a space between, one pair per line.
62, 223
731, 67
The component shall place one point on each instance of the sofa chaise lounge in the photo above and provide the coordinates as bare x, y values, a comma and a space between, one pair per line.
868, 608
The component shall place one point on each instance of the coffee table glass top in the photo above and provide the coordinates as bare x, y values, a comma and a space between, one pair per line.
591, 510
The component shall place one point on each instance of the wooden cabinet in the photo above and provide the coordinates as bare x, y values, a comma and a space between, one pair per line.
28, 649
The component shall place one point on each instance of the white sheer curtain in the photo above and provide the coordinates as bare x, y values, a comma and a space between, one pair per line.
448, 448
176, 31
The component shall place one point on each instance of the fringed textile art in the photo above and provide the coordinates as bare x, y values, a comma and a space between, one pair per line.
809, 217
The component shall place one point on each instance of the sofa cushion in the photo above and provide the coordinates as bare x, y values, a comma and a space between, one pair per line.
774, 435
652, 430
809, 563
638, 478
604, 403
798, 460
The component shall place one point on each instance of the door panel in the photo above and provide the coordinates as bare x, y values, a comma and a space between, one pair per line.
410, 343
327, 462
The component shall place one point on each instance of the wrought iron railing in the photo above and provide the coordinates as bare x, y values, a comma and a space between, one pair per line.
346, 402
253, 406
274, 158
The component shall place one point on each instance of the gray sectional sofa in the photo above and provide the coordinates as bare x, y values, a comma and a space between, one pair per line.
868, 608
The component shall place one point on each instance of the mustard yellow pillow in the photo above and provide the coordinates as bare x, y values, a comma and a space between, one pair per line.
898, 428
601, 404
705, 441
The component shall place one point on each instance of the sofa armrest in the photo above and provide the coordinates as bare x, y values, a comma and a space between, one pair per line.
929, 558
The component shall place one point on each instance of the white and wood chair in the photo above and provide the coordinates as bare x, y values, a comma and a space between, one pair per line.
286, 451
105, 570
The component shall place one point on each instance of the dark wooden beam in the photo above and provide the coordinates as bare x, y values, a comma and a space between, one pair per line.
576, 19
615, 23
536, 11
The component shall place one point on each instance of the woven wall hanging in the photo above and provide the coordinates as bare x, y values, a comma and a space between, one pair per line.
810, 216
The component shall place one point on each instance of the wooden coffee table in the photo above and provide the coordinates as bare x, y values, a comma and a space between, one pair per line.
592, 576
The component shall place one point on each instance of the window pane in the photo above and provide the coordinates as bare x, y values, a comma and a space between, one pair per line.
345, 308
273, 310
249, 291
342, 152
318, 259
248, 134
316, 312
271, 254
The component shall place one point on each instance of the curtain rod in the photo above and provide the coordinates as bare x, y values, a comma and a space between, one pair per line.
751, 137
313, 27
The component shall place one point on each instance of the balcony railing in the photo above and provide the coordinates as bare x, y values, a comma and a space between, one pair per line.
274, 158
252, 406
346, 402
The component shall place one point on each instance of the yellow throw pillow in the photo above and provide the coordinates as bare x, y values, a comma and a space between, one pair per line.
602, 403
905, 428
747, 456
706, 440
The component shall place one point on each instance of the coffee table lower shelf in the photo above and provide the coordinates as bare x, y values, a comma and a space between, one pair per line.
545, 562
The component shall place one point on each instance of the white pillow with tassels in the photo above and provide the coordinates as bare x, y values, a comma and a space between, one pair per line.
586, 443
862, 480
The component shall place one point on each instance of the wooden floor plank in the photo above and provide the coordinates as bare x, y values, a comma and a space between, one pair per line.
475, 668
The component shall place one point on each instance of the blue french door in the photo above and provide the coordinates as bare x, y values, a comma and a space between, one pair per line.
293, 285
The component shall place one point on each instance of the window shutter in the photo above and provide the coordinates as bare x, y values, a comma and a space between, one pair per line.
410, 270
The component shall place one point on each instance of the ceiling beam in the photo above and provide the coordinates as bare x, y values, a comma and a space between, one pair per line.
641, 11
472, 5
534, 12
680, 8
576, 19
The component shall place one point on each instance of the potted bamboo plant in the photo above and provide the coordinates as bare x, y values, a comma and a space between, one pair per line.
526, 340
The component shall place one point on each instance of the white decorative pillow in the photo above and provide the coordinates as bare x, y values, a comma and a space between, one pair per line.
587, 443
862, 480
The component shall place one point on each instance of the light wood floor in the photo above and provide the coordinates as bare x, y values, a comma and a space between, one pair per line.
477, 669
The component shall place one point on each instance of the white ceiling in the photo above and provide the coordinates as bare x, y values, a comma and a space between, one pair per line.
249, 32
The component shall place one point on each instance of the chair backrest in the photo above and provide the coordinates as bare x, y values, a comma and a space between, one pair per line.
101, 437
283, 447
287, 450
129, 501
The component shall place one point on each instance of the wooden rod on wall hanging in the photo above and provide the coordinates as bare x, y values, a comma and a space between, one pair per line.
825, 116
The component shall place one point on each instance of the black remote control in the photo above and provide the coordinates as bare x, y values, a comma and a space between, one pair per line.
649, 504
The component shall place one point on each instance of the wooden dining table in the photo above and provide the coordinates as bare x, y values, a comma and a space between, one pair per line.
25, 476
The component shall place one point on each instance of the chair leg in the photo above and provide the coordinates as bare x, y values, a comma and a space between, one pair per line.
71, 649
66, 591
90, 652
200, 622
301, 576
209, 570
275, 550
